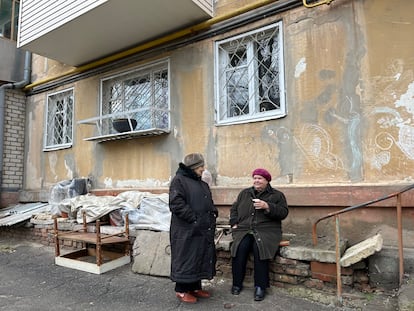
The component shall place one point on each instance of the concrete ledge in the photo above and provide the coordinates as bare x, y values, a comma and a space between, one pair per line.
301, 248
297, 195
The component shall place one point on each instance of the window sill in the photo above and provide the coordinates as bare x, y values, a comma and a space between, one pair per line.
242, 120
128, 135
57, 147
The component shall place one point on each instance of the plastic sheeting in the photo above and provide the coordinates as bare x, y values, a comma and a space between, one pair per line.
153, 213
65, 190
145, 209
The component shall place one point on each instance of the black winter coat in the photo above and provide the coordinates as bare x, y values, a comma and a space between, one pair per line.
193, 225
265, 226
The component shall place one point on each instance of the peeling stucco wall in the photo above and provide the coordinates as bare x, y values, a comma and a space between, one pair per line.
349, 90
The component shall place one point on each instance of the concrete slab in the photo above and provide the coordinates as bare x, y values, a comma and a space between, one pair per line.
301, 248
362, 250
151, 252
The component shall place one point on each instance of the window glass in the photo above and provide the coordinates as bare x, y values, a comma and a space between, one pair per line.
9, 18
59, 125
249, 76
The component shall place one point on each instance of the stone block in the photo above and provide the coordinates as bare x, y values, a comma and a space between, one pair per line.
300, 270
286, 261
151, 252
290, 279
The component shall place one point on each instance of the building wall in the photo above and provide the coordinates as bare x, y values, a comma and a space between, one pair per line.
349, 89
13, 156
349, 110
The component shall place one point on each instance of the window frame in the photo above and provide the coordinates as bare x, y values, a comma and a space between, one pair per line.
103, 118
221, 92
64, 145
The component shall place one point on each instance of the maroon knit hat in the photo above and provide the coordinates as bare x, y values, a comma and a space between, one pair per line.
262, 172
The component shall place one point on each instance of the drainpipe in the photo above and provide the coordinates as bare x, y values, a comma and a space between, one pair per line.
15, 85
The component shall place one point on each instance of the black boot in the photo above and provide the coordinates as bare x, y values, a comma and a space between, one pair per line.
259, 294
235, 290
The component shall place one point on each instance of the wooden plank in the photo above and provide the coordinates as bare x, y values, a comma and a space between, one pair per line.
89, 237
92, 267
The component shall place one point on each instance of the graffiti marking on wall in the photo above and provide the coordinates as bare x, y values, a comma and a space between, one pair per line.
352, 121
316, 144
387, 89
392, 118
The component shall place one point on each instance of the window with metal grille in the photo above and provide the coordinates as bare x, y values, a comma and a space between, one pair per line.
140, 97
250, 77
59, 125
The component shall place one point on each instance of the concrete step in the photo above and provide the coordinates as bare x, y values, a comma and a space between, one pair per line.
302, 248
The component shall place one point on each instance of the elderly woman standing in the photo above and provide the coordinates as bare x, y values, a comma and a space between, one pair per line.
193, 224
256, 220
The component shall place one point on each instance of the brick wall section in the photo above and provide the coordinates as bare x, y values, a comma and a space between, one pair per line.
284, 272
13, 156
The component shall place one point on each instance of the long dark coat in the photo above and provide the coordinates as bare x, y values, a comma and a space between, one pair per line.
265, 226
193, 225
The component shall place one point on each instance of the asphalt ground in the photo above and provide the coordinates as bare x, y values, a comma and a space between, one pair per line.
29, 280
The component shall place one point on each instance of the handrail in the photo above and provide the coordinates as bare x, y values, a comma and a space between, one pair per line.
337, 232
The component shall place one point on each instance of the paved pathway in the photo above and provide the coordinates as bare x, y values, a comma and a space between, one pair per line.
29, 280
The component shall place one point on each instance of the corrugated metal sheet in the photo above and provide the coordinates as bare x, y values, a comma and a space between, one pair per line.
21, 212
75, 32
40, 17
206, 5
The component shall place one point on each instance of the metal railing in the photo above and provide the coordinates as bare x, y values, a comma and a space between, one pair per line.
336, 214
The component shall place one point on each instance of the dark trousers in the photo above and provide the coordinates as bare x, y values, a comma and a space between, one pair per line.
187, 287
261, 267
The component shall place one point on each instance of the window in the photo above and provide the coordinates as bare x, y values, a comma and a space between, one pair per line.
140, 96
9, 19
59, 125
249, 76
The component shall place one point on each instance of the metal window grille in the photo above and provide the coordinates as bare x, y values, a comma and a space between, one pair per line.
249, 73
59, 126
142, 95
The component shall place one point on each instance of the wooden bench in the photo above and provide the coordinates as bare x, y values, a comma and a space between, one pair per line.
93, 247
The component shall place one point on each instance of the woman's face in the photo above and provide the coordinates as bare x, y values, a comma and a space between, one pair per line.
259, 183
199, 170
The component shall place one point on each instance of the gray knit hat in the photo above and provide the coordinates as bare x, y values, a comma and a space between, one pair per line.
194, 160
